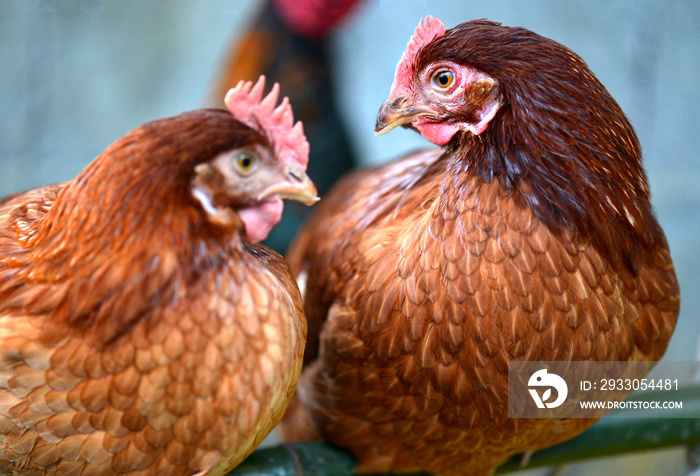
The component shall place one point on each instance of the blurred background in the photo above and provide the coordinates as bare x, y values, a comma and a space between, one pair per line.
75, 76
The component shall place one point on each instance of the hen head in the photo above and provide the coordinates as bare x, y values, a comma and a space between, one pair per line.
438, 98
224, 171
256, 178
248, 180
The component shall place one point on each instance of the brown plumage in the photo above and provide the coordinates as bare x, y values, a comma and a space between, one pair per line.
142, 331
528, 236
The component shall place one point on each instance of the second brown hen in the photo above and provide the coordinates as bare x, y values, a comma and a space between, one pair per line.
143, 330
528, 236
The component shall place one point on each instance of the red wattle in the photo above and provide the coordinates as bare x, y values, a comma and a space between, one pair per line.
260, 219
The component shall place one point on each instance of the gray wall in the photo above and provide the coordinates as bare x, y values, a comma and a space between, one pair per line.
76, 75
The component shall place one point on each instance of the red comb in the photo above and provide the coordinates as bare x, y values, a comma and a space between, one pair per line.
247, 104
427, 30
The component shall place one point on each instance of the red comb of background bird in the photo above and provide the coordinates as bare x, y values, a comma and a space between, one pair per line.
246, 103
427, 30
314, 19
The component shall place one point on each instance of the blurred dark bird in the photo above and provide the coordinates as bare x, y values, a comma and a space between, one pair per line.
289, 44
143, 330
528, 235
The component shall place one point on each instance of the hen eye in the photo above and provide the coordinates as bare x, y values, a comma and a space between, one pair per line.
245, 163
443, 79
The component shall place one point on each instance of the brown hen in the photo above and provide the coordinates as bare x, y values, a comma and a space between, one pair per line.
142, 329
528, 236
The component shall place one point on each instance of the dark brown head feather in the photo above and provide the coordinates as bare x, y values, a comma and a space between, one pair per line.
150, 169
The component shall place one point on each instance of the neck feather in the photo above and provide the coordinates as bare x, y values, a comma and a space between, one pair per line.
570, 184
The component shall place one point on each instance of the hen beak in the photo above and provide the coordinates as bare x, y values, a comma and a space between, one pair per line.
295, 185
397, 113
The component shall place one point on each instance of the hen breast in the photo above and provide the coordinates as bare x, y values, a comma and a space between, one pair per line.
422, 295
190, 388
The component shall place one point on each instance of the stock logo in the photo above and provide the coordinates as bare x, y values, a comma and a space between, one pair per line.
542, 379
